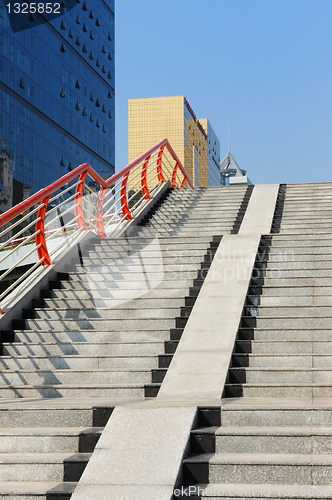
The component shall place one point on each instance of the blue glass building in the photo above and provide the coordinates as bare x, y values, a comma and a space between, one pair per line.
57, 88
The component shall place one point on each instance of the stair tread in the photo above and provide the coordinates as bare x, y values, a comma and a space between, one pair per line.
41, 431
282, 431
278, 491
12, 458
260, 458
77, 370
69, 386
31, 487
282, 369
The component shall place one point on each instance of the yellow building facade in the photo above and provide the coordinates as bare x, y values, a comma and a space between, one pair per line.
155, 118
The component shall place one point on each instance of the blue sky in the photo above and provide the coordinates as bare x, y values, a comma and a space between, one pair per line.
264, 66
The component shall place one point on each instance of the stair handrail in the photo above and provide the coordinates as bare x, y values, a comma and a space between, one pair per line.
113, 193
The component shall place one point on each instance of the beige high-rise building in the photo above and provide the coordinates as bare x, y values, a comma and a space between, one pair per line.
155, 118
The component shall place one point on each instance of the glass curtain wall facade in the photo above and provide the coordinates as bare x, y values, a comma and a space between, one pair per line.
57, 90
153, 119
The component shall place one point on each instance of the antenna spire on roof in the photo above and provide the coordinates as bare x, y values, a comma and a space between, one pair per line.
229, 138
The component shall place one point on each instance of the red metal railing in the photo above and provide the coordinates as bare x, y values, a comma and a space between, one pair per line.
111, 204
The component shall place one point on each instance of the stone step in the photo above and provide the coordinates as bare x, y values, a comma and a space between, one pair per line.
143, 323
273, 334
113, 285
278, 469
123, 313
204, 233
295, 311
18, 490
76, 362
154, 277
295, 240
289, 375
307, 223
283, 290
311, 264
290, 257
155, 294
54, 377
291, 347
318, 230
62, 413
168, 256
298, 273
266, 412
36, 466
308, 200
286, 390
230, 491
167, 250
284, 360
140, 303
219, 226
294, 216
128, 266
139, 348
293, 282
164, 241
316, 222
25, 337
213, 205
281, 440
296, 253
294, 322
301, 301
44, 439
170, 217
73, 391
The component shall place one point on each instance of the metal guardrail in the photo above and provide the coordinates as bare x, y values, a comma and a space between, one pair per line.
42, 217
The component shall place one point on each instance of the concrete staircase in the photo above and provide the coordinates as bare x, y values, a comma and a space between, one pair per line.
274, 434
44, 447
93, 333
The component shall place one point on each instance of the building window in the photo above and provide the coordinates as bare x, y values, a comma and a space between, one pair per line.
31, 165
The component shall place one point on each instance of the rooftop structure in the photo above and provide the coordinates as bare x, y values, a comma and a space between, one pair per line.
230, 172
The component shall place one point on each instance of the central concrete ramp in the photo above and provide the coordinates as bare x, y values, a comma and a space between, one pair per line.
139, 454
200, 365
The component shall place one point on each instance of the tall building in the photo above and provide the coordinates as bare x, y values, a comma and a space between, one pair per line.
57, 88
193, 140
